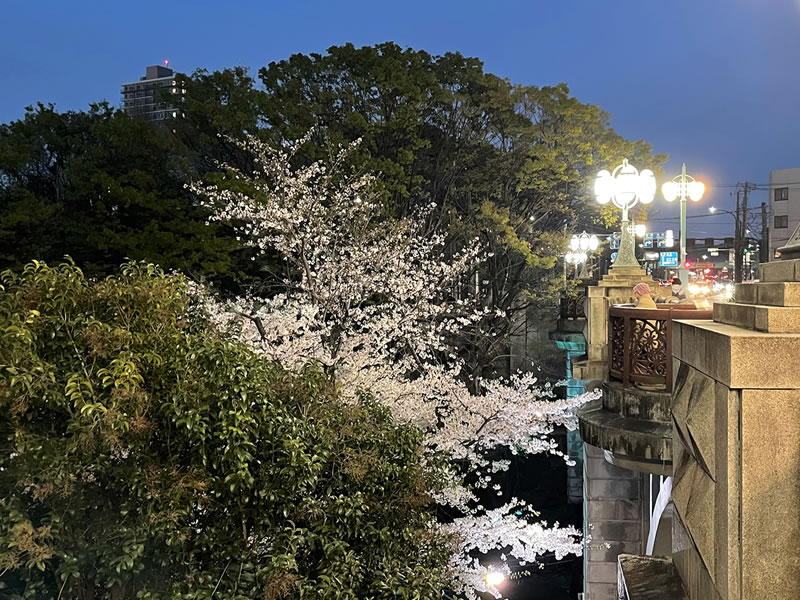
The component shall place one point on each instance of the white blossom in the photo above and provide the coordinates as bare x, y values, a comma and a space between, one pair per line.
374, 301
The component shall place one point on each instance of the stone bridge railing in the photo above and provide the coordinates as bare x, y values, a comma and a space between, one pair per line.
640, 343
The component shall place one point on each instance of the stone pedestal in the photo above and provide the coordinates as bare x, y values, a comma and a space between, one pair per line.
736, 443
616, 287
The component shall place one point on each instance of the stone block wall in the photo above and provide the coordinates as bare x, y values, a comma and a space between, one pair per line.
613, 516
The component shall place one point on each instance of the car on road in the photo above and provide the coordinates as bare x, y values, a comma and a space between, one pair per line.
701, 287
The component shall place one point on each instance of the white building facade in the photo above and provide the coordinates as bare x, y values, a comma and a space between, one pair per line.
784, 206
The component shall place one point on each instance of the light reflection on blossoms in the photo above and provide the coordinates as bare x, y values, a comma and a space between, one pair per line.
371, 299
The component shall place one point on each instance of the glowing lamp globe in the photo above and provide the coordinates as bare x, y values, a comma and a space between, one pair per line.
696, 190
583, 242
670, 189
604, 187
627, 184
647, 186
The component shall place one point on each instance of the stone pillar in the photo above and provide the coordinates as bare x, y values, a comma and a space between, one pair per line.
616, 287
736, 443
613, 516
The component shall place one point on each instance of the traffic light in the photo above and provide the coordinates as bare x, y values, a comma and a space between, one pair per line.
687, 264
745, 250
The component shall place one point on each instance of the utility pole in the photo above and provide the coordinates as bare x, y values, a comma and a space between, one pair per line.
747, 188
741, 229
737, 240
763, 254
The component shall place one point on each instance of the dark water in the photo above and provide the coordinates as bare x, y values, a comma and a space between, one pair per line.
542, 481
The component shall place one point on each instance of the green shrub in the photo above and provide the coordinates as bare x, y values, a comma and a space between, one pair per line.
142, 455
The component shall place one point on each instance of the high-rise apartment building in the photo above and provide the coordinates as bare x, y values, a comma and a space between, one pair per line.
784, 206
156, 96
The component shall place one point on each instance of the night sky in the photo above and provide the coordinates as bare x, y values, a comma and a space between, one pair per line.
714, 83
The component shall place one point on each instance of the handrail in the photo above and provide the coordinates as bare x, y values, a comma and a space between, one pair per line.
640, 342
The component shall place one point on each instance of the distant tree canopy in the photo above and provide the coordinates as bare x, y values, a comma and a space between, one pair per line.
143, 456
511, 164
102, 187
440, 128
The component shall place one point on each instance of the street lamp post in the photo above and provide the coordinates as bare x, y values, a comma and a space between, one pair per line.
575, 258
683, 186
580, 246
625, 187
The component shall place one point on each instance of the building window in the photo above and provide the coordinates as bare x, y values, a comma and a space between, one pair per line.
781, 221
782, 193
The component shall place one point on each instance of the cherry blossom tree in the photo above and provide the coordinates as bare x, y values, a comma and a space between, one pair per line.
379, 303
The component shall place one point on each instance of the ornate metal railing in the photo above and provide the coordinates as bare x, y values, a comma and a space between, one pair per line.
572, 306
640, 343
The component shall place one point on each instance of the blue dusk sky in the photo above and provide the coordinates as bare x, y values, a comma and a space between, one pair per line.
713, 83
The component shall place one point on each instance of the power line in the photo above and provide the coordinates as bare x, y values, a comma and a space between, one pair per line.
761, 185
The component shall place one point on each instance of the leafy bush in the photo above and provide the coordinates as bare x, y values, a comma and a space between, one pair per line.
142, 455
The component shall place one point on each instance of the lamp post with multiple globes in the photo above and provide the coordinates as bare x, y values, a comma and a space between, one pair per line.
683, 186
581, 245
625, 187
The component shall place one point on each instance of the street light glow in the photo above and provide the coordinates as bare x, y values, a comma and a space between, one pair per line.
690, 188
683, 187
696, 190
670, 190
625, 187
640, 230
584, 242
712, 209
495, 578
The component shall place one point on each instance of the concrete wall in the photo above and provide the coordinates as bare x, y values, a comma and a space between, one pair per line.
778, 179
613, 515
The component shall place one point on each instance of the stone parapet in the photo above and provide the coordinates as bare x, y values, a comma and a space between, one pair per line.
586, 370
735, 451
776, 293
737, 357
772, 319
780, 270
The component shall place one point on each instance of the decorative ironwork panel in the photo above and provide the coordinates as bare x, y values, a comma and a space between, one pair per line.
617, 343
649, 347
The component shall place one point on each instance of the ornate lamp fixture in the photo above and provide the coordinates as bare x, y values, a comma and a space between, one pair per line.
625, 187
